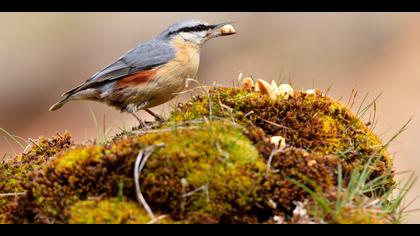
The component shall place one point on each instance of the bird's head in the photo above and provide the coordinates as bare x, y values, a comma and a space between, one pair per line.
196, 31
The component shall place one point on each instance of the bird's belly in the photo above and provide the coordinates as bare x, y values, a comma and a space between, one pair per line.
171, 79
166, 88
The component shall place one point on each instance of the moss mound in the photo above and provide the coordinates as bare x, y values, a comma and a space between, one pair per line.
214, 169
313, 122
210, 162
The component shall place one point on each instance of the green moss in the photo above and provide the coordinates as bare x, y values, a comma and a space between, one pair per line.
203, 169
216, 155
217, 158
16, 172
74, 158
315, 123
76, 175
312, 170
109, 211
361, 216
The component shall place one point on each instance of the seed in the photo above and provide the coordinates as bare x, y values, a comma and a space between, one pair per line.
278, 141
247, 83
272, 204
285, 90
275, 88
265, 88
184, 182
310, 91
311, 163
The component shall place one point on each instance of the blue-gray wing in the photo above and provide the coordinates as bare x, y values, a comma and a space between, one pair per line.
143, 57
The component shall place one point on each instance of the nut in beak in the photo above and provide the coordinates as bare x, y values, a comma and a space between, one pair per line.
222, 29
227, 30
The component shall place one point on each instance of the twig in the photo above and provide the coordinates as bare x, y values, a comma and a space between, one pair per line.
141, 160
27, 148
272, 123
157, 219
223, 153
184, 185
32, 141
230, 109
204, 188
164, 130
12, 194
248, 114
210, 106
270, 159
97, 198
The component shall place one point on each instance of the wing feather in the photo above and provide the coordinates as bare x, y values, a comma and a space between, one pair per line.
143, 57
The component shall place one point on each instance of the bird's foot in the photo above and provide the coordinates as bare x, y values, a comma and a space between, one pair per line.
142, 124
156, 116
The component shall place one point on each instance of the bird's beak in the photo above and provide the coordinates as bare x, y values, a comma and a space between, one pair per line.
222, 29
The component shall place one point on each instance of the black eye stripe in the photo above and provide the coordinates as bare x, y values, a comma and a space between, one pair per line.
196, 28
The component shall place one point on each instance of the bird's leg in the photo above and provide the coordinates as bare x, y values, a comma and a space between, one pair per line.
141, 122
156, 116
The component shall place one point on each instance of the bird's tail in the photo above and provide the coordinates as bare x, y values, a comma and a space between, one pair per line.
59, 104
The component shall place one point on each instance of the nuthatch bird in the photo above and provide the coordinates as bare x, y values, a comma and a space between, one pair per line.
151, 73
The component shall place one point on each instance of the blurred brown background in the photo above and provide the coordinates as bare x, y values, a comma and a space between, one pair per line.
44, 54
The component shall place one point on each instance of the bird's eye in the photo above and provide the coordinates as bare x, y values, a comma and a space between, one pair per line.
197, 28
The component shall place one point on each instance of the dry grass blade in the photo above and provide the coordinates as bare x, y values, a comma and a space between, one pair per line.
400, 131
361, 104
361, 112
12, 137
